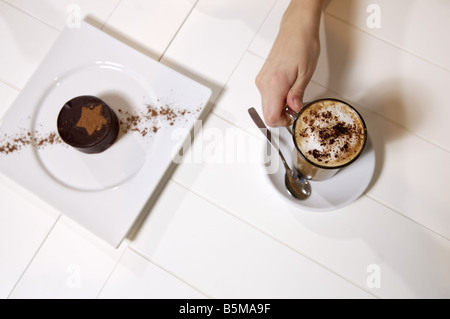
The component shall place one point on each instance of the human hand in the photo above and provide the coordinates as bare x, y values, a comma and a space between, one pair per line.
291, 62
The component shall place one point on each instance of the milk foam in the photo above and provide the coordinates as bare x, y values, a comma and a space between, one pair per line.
329, 133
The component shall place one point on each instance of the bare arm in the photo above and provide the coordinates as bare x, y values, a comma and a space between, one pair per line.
291, 62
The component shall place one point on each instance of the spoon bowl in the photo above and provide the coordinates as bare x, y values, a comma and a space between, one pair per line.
297, 185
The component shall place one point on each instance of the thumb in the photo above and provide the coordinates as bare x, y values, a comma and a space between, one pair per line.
295, 95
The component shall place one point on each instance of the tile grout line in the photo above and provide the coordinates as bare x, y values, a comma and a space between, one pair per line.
241, 57
48, 25
245, 131
367, 193
128, 245
178, 30
32, 16
259, 29
225, 210
112, 270
228, 212
403, 127
153, 262
34, 256
387, 42
219, 94
249, 50
367, 110
246, 49
372, 197
10, 85
110, 15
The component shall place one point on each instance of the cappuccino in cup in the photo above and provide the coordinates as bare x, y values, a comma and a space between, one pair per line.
328, 134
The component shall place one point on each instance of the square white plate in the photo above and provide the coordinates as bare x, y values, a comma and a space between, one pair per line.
103, 192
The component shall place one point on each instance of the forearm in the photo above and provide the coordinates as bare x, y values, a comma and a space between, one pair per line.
303, 13
291, 62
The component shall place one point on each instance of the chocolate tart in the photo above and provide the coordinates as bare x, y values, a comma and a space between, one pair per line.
88, 124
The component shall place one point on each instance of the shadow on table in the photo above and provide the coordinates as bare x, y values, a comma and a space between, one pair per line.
381, 100
412, 260
147, 209
113, 99
156, 56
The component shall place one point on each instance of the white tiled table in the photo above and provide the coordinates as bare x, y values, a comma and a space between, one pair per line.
218, 228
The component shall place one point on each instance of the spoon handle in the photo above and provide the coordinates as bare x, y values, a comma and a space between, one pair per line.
260, 124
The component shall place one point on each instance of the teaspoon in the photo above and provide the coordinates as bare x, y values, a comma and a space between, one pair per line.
297, 185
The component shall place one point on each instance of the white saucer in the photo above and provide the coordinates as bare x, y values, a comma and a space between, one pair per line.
103, 192
340, 190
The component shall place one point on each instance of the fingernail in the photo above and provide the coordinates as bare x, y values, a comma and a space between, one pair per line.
297, 105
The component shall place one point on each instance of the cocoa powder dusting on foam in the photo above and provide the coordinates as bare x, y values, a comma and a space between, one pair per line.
330, 136
146, 122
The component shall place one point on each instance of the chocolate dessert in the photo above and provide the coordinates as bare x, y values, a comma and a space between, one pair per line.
88, 124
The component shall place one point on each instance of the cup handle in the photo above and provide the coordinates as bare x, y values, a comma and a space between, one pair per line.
292, 116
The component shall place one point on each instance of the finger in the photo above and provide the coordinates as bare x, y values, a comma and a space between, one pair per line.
296, 93
273, 102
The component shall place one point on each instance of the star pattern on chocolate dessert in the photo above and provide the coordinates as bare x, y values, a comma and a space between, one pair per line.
92, 119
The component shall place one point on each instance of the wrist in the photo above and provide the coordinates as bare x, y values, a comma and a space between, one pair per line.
303, 15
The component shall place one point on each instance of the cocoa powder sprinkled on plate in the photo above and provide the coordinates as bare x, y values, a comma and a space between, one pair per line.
147, 121
12, 143
152, 118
